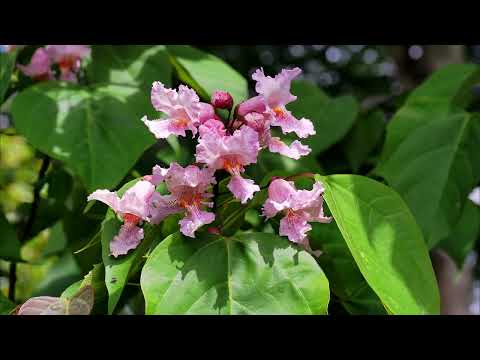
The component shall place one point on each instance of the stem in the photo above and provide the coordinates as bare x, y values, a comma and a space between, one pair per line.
29, 224
305, 174
12, 280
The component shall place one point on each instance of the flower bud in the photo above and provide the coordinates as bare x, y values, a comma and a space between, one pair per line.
222, 100
213, 230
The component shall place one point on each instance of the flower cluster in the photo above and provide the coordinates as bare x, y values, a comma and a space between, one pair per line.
222, 145
67, 57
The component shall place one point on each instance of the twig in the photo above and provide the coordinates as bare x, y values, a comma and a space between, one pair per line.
28, 226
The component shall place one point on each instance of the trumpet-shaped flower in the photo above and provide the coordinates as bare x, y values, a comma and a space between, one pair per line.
231, 153
261, 124
133, 207
188, 194
276, 94
68, 58
39, 67
183, 109
299, 207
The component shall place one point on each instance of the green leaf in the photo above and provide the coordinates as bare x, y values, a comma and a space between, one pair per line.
6, 306
251, 273
134, 65
332, 118
462, 239
362, 139
97, 132
9, 243
7, 65
206, 73
431, 152
96, 279
385, 241
346, 280
118, 270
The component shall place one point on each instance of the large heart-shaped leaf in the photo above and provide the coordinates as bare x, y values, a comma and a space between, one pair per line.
206, 73
346, 280
9, 243
96, 132
134, 65
385, 241
331, 117
251, 273
431, 152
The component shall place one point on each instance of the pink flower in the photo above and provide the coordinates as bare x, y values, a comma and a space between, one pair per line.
222, 100
276, 94
188, 194
261, 124
135, 205
68, 58
39, 67
231, 153
207, 112
255, 104
295, 151
299, 207
183, 110
212, 125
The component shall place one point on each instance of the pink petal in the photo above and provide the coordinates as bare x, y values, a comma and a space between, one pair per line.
127, 239
136, 199
276, 91
163, 99
261, 124
181, 104
162, 129
294, 151
243, 146
194, 219
39, 65
255, 104
295, 227
303, 127
212, 125
158, 175
162, 206
206, 112
189, 179
58, 52
242, 189
107, 197
281, 191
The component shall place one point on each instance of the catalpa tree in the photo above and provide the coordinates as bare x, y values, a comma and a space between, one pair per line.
161, 185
